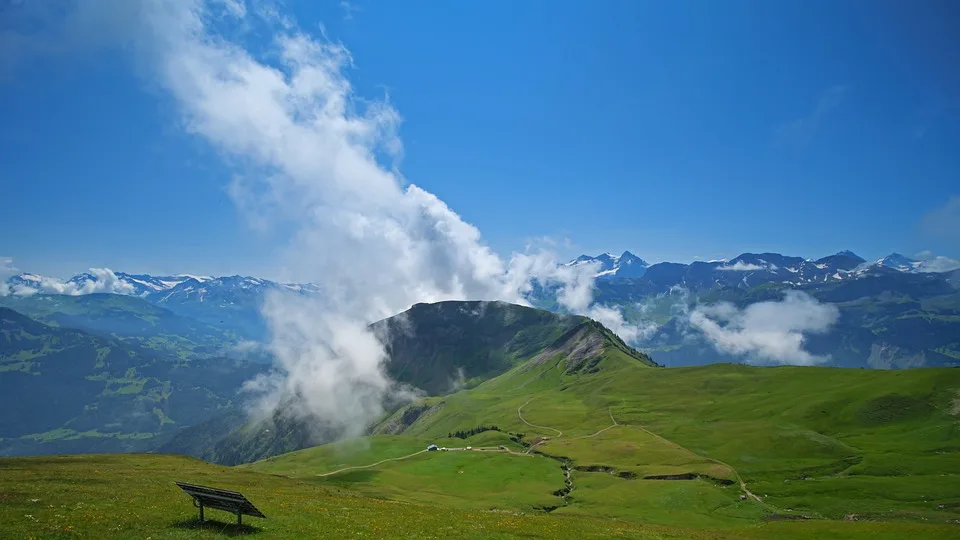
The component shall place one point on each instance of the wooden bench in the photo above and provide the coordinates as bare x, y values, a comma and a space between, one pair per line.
220, 499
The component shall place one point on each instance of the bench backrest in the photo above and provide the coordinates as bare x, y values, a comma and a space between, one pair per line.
221, 499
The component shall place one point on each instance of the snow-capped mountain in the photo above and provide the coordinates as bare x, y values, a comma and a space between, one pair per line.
744, 271
610, 266
227, 290
899, 262
752, 269
133, 284
930, 264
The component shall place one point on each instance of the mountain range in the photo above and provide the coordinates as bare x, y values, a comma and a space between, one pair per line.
746, 270
610, 266
753, 269
885, 305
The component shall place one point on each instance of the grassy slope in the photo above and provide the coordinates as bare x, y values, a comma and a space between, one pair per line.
65, 390
431, 345
824, 443
468, 480
133, 496
130, 319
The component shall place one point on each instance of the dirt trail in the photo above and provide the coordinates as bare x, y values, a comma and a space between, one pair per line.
736, 474
559, 433
408, 456
743, 485
566, 469
611, 426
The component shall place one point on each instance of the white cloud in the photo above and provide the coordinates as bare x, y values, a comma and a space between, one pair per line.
577, 296
98, 280
7, 269
944, 221
766, 332
741, 266
312, 154
936, 263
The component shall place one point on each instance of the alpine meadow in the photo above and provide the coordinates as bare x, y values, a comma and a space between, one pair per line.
244, 289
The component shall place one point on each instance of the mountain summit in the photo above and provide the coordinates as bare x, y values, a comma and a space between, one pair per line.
627, 265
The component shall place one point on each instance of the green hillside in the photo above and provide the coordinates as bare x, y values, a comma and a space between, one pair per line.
64, 390
435, 347
671, 446
131, 320
444, 346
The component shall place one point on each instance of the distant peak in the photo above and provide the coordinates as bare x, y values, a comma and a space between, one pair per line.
630, 258
847, 253
898, 257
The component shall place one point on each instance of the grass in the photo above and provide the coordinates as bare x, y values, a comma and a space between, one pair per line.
878, 447
461, 479
820, 442
133, 496
695, 503
630, 450
458, 478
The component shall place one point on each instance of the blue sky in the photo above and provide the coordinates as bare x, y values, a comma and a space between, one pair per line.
675, 130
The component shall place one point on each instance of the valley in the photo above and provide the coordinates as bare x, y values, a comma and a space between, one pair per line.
541, 419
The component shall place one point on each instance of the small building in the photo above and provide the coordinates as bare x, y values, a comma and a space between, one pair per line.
431, 448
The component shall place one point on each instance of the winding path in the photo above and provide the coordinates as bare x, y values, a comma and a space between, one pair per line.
559, 433
408, 456
743, 485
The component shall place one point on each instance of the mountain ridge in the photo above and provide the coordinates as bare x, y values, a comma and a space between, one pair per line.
439, 348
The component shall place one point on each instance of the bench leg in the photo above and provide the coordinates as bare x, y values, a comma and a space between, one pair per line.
239, 519
201, 513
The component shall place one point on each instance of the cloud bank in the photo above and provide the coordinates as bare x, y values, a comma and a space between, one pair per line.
98, 280
936, 263
766, 332
576, 295
741, 266
314, 158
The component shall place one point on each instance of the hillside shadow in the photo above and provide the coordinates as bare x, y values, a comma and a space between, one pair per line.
219, 527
